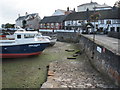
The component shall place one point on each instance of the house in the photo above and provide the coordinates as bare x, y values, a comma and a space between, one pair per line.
77, 20
109, 20
91, 6
19, 21
63, 12
30, 20
52, 22
106, 20
59, 12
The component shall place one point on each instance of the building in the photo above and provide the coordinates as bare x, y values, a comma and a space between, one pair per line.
30, 20
59, 12
109, 20
63, 12
52, 22
91, 6
99, 21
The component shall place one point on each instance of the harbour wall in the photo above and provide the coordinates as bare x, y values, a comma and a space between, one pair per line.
68, 37
104, 60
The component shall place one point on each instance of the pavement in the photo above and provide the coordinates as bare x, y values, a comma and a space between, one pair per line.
110, 43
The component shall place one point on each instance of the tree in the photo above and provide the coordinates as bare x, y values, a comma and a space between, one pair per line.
117, 4
3, 25
95, 16
9, 25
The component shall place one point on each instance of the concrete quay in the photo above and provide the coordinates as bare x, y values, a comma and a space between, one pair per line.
110, 43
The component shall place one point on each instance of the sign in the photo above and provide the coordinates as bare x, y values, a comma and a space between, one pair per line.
99, 49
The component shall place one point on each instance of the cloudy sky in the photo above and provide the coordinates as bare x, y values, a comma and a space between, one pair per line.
9, 9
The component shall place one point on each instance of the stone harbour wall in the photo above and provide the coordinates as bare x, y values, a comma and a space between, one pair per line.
67, 36
114, 34
105, 61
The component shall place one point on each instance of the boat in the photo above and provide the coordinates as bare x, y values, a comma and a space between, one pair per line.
52, 36
22, 44
52, 40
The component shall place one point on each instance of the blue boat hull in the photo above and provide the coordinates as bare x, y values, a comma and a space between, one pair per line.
17, 51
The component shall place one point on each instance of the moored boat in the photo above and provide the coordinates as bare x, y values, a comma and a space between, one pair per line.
22, 44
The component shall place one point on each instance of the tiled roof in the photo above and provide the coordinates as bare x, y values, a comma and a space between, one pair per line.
104, 14
109, 14
77, 16
53, 19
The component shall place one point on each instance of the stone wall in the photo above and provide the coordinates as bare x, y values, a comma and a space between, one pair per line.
67, 36
102, 59
114, 34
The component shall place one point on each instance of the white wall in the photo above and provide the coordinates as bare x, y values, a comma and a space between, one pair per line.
19, 23
58, 12
84, 7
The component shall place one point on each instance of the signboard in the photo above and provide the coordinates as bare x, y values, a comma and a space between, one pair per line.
99, 49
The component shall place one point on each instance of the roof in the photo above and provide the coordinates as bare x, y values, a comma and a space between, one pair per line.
104, 14
109, 14
20, 18
102, 6
78, 16
24, 17
53, 19
91, 3
61, 10
96, 5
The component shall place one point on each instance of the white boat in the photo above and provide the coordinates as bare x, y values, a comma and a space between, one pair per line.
23, 43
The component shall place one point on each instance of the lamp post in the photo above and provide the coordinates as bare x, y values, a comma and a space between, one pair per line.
93, 35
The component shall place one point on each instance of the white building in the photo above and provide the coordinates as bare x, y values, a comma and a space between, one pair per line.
59, 12
63, 12
108, 20
32, 21
91, 6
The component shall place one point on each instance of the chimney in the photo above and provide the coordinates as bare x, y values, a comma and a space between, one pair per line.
74, 9
91, 1
26, 13
18, 15
67, 8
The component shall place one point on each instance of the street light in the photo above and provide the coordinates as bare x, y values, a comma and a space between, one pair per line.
93, 35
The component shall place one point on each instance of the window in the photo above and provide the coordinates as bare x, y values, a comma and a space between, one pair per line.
118, 21
29, 36
101, 29
102, 22
108, 22
19, 36
118, 29
112, 29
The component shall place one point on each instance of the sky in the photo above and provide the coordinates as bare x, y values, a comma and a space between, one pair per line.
9, 9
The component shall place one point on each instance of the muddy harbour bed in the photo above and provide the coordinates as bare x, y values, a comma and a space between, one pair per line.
66, 70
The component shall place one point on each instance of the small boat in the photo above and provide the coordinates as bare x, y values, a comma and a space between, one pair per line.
23, 43
52, 40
